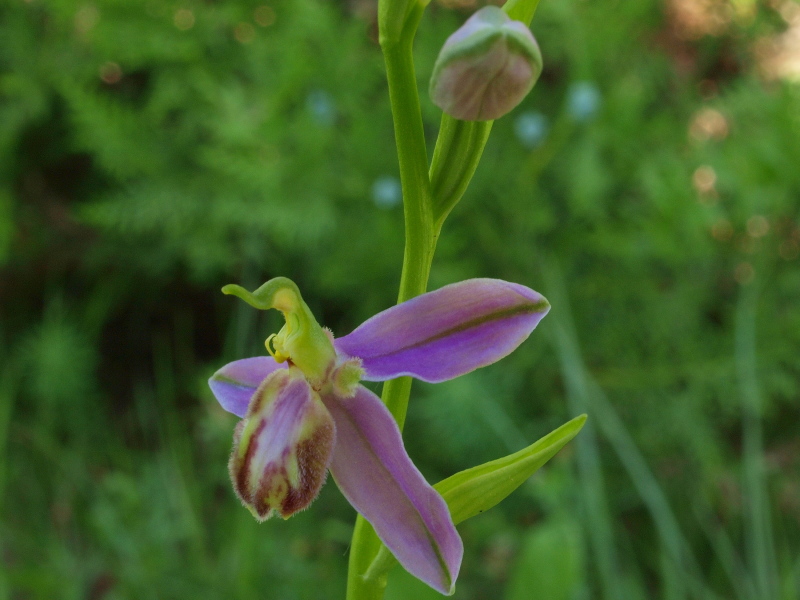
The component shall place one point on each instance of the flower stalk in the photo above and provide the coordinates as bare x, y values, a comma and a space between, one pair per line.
424, 216
304, 412
420, 234
420, 245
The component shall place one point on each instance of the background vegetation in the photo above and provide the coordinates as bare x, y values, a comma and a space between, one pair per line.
151, 152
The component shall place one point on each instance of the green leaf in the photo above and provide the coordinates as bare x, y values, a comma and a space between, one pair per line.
480, 488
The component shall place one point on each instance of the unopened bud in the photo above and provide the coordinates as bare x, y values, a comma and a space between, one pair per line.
485, 68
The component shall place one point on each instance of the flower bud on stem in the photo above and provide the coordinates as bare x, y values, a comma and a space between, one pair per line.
485, 68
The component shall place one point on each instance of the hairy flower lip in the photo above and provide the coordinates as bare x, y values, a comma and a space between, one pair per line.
282, 447
434, 337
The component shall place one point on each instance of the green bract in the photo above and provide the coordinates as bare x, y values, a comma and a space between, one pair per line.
478, 489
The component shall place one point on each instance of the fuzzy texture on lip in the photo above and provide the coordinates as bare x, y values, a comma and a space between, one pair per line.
282, 447
292, 432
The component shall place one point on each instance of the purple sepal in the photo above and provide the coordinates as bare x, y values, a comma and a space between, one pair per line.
371, 467
234, 384
443, 334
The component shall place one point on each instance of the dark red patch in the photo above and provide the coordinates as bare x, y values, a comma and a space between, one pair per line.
274, 482
239, 468
312, 460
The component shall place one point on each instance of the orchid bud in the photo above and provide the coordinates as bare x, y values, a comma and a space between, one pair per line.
485, 68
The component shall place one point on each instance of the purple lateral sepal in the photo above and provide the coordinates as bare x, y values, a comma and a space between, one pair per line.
443, 334
234, 384
373, 471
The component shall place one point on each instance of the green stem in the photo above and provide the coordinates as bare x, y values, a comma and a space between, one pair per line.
420, 244
420, 230
758, 532
426, 206
420, 233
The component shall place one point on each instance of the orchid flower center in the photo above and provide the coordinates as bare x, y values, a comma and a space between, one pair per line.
301, 341
278, 344
275, 349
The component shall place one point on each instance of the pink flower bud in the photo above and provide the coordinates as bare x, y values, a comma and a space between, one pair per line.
485, 68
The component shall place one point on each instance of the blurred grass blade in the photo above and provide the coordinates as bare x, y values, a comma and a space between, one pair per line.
759, 539
480, 488
551, 562
593, 496
720, 541
614, 430
180, 477
650, 491
8, 390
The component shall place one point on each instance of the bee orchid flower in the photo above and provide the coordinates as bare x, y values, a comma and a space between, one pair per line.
304, 411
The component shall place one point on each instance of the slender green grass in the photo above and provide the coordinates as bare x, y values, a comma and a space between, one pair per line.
593, 496
177, 463
7, 395
759, 537
680, 569
8, 391
740, 581
674, 542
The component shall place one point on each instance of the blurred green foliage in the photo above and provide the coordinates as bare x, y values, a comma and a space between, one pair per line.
151, 152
